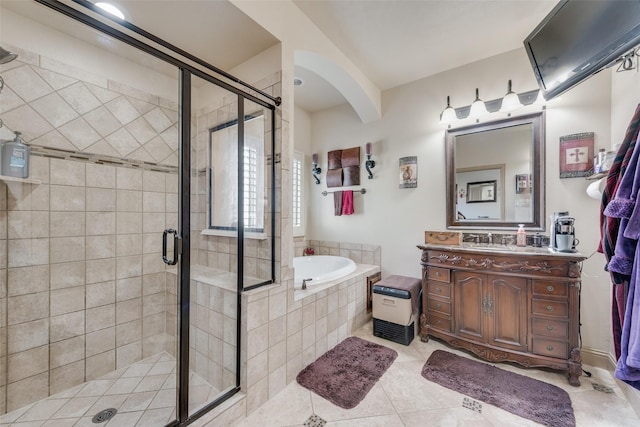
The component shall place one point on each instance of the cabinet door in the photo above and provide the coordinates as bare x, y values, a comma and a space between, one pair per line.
507, 312
470, 303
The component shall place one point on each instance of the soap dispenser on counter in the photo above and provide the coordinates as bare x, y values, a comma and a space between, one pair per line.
15, 158
521, 236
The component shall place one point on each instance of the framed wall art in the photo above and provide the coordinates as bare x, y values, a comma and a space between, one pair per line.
576, 155
409, 172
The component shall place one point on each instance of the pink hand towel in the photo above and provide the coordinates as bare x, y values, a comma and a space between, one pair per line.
347, 202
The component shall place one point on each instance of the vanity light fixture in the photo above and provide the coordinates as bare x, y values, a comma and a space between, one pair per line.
448, 115
478, 108
511, 101
315, 169
370, 164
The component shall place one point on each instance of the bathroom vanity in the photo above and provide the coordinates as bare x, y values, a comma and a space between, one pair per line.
504, 303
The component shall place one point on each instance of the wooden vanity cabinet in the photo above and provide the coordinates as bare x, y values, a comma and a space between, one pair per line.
519, 307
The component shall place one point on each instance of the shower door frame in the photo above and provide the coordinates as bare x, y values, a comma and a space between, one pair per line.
184, 197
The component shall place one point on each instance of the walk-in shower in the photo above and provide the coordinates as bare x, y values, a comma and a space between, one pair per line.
93, 323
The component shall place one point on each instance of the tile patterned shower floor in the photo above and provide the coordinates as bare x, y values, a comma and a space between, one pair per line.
144, 394
403, 398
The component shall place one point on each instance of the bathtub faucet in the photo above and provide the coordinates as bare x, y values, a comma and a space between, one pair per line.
304, 283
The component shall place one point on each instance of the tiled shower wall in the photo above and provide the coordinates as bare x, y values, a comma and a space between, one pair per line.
82, 283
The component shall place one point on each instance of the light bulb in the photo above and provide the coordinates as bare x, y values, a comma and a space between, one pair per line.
478, 108
511, 101
448, 116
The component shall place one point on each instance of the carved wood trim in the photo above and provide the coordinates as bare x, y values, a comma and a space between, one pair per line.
489, 263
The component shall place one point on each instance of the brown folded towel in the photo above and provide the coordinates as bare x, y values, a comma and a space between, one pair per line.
334, 178
337, 203
333, 159
351, 157
351, 176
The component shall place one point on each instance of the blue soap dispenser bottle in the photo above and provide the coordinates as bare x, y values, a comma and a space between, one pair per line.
15, 158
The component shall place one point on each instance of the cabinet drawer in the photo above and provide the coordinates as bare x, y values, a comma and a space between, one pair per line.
440, 322
550, 328
550, 288
439, 274
550, 308
439, 289
439, 306
552, 348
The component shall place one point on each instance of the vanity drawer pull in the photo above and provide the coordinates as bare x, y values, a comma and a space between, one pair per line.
438, 290
549, 308
550, 347
437, 274
438, 322
550, 288
546, 307
438, 305
549, 328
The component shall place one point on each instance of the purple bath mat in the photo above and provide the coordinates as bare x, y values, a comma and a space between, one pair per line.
345, 374
526, 397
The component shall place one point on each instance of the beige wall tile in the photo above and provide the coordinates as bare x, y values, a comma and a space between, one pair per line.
27, 363
101, 199
153, 304
128, 223
100, 364
26, 308
66, 275
130, 266
128, 354
25, 280
127, 333
67, 198
153, 201
129, 201
67, 300
100, 317
67, 249
64, 352
67, 376
129, 310
129, 244
153, 325
67, 172
67, 224
153, 222
26, 391
101, 176
153, 181
101, 270
100, 341
153, 263
99, 294
67, 326
151, 243
27, 252
153, 283
100, 223
100, 247
128, 288
128, 179
24, 336
39, 168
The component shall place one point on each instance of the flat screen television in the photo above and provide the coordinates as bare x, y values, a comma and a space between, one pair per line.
579, 38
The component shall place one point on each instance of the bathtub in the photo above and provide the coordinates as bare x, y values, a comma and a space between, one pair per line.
321, 268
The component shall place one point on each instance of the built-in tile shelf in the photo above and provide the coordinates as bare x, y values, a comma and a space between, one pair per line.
25, 180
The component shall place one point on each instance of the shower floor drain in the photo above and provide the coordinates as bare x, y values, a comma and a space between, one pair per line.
104, 415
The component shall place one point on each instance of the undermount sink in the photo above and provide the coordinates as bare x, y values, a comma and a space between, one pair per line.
485, 247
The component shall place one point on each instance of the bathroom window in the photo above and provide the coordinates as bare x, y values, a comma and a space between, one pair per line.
298, 185
223, 177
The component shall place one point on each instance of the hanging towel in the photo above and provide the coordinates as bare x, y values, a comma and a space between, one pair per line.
347, 202
337, 203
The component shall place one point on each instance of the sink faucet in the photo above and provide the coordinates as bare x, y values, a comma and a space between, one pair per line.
489, 238
304, 283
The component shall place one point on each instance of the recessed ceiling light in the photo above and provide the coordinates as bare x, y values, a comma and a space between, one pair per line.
109, 8
297, 81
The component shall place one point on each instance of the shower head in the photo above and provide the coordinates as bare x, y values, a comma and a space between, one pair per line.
6, 56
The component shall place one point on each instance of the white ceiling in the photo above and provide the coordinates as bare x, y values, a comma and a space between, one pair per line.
393, 42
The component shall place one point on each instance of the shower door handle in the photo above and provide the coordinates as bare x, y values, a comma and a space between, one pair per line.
166, 260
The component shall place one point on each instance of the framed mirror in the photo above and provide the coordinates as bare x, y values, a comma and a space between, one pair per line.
495, 174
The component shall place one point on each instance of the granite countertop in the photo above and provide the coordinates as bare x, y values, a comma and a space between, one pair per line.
504, 250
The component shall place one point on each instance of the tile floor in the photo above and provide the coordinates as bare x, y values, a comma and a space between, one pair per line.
403, 397
143, 393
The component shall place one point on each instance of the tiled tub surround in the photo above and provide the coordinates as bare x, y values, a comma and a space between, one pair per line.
359, 253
